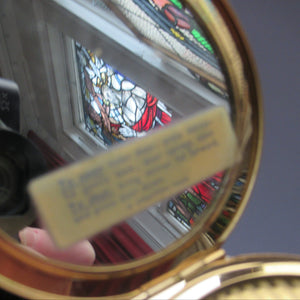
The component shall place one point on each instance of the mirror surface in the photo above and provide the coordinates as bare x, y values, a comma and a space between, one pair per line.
115, 71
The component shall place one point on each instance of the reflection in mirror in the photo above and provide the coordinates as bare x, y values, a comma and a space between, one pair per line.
171, 27
114, 105
117, 109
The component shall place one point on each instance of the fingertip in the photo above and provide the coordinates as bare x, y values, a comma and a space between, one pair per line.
84, 252
28, 236
39, 240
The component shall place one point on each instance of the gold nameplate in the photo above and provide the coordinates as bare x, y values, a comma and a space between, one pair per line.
85, 198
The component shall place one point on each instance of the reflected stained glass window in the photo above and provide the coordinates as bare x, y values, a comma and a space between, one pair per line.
170, 26
115, 108
192, 202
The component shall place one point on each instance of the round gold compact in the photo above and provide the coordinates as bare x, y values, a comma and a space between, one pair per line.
149, 117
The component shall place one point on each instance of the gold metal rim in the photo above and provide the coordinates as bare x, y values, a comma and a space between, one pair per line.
234, 271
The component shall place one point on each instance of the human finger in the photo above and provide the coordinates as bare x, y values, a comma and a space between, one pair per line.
39, 240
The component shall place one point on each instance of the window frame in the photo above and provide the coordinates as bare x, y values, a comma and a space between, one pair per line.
149, 56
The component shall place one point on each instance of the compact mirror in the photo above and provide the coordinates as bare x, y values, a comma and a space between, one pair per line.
99, 75
131, 90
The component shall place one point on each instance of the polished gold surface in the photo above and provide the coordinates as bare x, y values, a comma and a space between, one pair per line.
264, 276
270, 276
265, 288
26, 274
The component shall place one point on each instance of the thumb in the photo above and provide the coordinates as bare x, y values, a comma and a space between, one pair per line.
39, 240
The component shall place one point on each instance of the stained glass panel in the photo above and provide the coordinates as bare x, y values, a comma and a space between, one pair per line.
115, 107
171, 27
191, 203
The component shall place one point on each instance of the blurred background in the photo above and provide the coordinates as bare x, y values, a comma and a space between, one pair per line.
271, 222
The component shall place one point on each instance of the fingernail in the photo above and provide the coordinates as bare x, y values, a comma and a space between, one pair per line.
27, 236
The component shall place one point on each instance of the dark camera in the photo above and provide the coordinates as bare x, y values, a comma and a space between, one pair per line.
20, 160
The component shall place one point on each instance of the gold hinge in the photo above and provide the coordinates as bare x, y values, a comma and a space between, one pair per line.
174, 281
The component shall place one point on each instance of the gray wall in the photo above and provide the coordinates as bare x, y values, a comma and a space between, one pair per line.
271, 221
